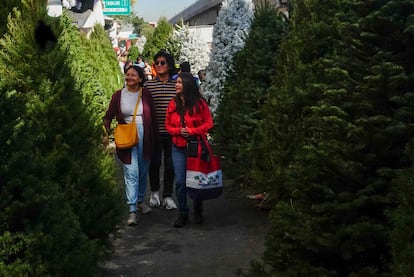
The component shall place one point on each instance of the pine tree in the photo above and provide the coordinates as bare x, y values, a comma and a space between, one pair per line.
133, 53
238, 114
59, 199
402, 217
158, 40
397, 40
5, 9
229, 34
341, 131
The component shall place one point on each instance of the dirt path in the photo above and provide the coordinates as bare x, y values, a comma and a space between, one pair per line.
232, 235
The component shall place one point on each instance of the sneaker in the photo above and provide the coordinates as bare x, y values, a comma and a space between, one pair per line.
144, 208
132, 219
155, 199
169, 203
181, 221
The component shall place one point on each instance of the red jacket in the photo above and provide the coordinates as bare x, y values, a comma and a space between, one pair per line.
151, 135
197, 124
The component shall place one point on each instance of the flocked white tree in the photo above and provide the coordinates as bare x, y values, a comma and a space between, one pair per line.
194, 49
229, 34
68, 4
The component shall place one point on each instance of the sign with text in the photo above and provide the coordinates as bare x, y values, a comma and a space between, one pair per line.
116, 7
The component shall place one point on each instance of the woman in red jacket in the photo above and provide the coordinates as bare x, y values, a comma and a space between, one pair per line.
187, 115
135, 160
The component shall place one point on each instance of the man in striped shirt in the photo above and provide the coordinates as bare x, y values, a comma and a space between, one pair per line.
162, 89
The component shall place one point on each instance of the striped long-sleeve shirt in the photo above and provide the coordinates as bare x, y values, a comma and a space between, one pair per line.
162, 93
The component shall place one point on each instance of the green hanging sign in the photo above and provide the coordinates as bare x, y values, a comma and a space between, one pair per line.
116, 7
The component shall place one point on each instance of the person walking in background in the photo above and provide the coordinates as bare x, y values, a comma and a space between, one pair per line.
187, 115
162, 89
147, 71
186, 67
135, 160
124, 62
201, 77
128, 63
153, 71
140, 62
121, 63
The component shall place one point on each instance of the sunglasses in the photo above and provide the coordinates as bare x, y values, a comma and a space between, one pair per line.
160, 63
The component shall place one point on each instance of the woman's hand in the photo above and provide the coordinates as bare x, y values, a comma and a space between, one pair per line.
184, 132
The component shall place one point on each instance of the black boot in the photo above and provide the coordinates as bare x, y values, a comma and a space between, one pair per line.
198, 212
181, 221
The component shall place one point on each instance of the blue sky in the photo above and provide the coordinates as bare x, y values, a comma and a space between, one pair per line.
152, 10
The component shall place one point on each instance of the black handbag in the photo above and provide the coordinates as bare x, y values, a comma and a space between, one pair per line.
193, 142
192, 146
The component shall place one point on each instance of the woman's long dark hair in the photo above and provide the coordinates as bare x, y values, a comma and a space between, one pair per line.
192, 96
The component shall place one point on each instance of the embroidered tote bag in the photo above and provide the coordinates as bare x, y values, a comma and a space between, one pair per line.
204, 176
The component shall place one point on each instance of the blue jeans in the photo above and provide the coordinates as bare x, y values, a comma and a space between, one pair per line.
179, 157
135, 173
